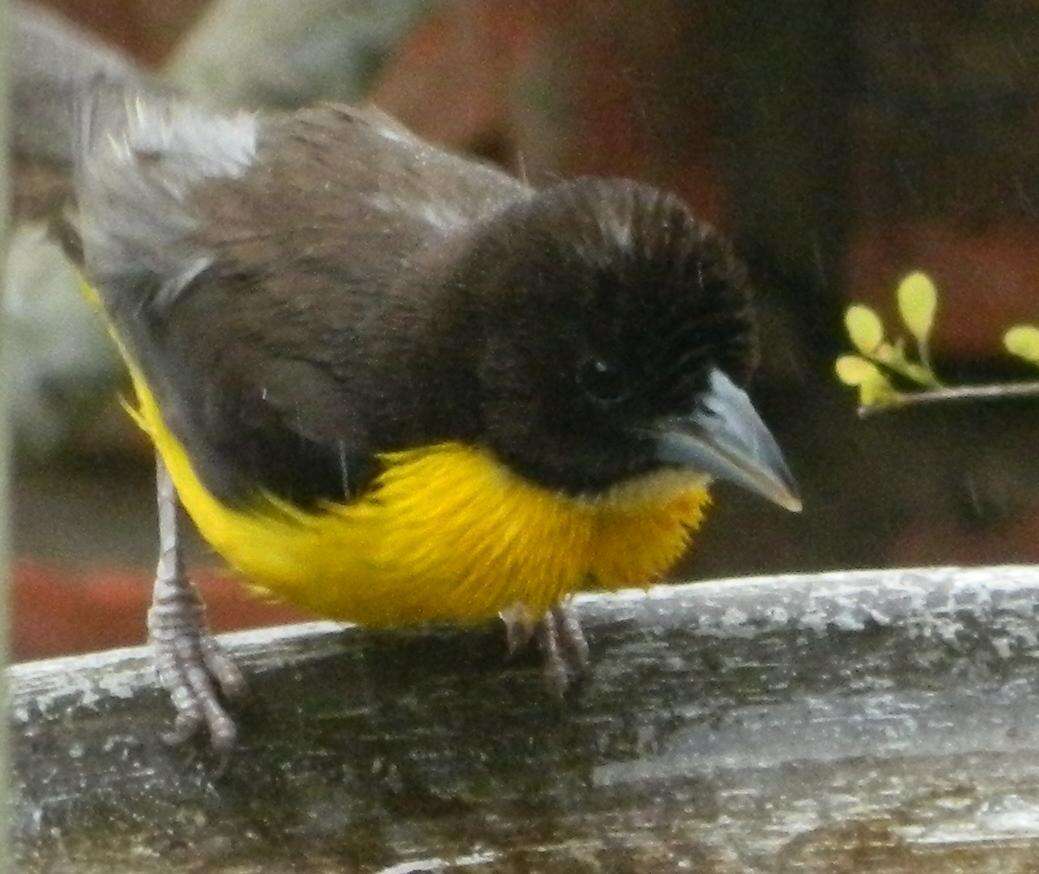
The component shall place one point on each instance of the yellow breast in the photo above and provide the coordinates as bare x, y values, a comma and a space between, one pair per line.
446, 533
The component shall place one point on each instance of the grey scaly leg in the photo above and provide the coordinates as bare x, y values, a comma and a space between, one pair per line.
560, 639
191, 665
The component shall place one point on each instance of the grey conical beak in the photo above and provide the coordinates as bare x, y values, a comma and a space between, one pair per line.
726, 439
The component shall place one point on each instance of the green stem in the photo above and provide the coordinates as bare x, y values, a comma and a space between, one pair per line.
922, 374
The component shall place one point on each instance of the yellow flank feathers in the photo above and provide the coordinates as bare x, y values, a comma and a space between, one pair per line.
446, 533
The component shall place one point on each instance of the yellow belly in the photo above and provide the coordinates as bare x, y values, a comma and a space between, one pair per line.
446, 533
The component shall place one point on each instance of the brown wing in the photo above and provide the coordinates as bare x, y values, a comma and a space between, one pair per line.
263, 274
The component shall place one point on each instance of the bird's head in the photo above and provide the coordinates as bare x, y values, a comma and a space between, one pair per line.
615, 336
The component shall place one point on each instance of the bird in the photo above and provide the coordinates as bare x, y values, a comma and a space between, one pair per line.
394, 385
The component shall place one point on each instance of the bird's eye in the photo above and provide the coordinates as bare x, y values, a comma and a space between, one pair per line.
602, 380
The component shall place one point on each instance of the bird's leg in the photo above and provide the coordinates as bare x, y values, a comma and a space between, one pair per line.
191, 665
559, 636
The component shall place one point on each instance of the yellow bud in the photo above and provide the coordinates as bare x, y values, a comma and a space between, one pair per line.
917, 302
855, 370
892, 355
1023, 341
877, 393
864, 328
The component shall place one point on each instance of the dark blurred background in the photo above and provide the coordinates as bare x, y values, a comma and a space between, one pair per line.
841, 144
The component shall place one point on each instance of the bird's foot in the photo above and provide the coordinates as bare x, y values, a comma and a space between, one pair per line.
560, 639
194, 669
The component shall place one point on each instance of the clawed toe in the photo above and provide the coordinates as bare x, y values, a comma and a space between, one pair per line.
199, 676
564, 648
223, 669
561, 641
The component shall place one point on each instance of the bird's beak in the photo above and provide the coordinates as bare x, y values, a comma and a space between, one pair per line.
726, 439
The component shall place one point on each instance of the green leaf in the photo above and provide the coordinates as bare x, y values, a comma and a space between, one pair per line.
1023, 341
864, 328
920, 375
917, 302
893, 356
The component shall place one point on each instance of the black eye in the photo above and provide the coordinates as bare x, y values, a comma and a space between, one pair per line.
602, 380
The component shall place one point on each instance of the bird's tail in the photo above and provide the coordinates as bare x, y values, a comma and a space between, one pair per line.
137, 158
52, 61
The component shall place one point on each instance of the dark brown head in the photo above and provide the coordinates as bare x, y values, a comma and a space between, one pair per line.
615, 333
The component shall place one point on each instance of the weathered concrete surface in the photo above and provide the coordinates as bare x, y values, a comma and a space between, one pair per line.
881, 720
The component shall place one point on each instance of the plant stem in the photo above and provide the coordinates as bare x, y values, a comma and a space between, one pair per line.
961, 393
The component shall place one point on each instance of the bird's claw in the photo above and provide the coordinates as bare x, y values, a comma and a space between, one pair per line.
197, 673
560, 639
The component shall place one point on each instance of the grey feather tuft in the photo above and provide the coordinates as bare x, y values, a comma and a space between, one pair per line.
139, 157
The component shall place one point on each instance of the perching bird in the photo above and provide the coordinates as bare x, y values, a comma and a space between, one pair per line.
392, 385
